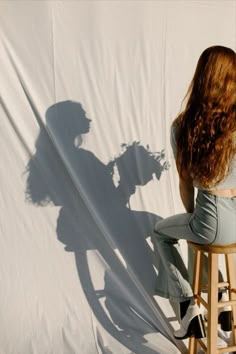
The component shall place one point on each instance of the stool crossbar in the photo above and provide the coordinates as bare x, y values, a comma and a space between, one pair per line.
212, 305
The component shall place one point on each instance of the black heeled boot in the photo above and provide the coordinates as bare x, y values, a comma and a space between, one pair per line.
225, 313
183, 308
191, 323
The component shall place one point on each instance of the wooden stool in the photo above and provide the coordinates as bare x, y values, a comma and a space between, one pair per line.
212, 304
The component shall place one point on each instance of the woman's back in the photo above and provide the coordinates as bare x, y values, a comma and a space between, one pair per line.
226, 188
203, 136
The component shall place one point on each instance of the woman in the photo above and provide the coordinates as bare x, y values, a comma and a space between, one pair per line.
203, 139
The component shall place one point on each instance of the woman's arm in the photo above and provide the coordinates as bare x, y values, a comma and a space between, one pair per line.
186, 191
186, 188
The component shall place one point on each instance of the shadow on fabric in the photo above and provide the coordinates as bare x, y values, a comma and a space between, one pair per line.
109, 240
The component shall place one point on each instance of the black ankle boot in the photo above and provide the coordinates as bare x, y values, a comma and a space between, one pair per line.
183, 308
191, 324
225, 313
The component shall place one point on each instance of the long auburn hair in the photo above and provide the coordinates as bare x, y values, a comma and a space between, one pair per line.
206, 140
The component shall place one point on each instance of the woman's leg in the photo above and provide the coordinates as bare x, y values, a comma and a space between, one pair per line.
172, 280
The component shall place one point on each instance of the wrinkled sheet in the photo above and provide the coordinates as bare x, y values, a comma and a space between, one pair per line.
88, 92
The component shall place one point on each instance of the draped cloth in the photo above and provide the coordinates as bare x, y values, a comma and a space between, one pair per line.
88, 93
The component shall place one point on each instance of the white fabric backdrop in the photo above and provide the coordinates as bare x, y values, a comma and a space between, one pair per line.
88, 92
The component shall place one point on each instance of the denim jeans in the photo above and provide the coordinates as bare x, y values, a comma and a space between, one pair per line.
212, 222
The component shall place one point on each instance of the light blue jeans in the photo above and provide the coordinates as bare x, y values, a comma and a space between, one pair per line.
212, 222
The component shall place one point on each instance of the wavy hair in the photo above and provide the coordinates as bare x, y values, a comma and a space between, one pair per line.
206, 142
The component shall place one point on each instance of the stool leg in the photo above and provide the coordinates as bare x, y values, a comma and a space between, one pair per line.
196, 291
231, 275
212, 330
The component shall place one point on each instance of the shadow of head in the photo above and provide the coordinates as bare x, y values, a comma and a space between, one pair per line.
67, 120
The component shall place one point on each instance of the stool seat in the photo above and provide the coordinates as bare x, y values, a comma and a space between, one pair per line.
217, 249
212, 304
